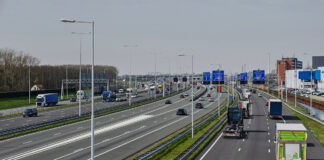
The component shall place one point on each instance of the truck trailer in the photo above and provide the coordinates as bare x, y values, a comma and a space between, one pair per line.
245, 106
291, 141
48, 99
234, 127
275, 108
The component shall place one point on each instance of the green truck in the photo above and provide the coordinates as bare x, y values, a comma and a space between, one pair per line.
291, 141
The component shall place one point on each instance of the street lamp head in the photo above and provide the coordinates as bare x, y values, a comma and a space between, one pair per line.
67, 20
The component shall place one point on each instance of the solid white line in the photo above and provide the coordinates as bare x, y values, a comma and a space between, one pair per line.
211, 147
80, 137
138, 137
103, 141
284, 120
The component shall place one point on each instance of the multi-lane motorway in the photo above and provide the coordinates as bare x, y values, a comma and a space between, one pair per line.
118, 135
18, 121
259, 140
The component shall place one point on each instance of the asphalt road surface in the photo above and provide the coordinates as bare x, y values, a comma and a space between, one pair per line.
118, 135
259, 141
18, 121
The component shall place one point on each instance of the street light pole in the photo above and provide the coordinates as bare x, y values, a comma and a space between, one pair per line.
192, 96
218, 96
92, 82
311, 79
29, 83
80, 68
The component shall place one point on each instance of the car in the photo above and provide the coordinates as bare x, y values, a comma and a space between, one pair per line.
182, 96
320, 94
182, 111
186, 94
211, 100
168, 101
133, 96
201, 99
72, 99
208, 95
259, 95
199, 106
267, 103
30, 112
198, 87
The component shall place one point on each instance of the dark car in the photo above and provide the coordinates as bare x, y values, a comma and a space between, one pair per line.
208, 95
182, 111
72, 99
30, 112
199, 106
168, 101
182, 96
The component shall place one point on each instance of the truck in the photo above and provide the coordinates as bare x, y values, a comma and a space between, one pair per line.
291, 141
48, 99
275, 108
246, 93
234, 127
131, 92
245, 105
80, 94
108, 96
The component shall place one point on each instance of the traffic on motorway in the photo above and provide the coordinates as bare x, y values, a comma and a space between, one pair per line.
162, 80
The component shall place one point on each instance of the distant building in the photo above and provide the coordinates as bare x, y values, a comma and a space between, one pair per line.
289, 63
301, 79
318, 61
37, 87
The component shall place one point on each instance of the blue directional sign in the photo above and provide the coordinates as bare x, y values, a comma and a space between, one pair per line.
238, 76
218, 75
306, 75
243, 77
206, 76
258, 75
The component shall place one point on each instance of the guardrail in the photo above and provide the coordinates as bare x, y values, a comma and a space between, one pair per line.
201, 139
74, 117
179, 136
294, 109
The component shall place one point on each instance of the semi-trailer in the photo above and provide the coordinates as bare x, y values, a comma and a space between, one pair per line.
48, 99
275, 108
234, 127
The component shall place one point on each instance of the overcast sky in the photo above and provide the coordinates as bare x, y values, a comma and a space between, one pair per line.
227, 32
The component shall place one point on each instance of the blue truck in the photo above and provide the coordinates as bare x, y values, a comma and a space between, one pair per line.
235, 125
108, 96
275, 108
45, 100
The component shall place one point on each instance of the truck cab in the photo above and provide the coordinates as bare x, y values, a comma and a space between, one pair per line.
234, 127
108, 96
48, 99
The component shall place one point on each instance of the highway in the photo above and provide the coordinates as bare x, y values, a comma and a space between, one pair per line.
258, 142
18, 121
118, 135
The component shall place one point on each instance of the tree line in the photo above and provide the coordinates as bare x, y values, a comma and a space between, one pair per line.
15, 66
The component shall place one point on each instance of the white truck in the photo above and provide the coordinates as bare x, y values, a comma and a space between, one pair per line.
291, 141
132, 92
